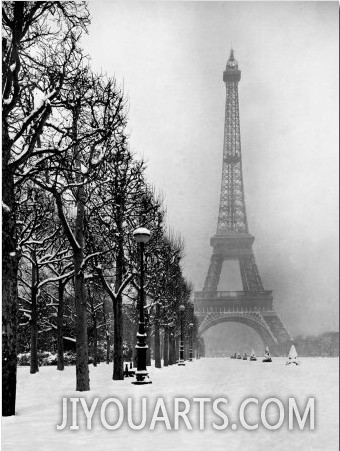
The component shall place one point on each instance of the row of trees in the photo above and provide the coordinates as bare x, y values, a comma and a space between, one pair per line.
72, 194
325, 345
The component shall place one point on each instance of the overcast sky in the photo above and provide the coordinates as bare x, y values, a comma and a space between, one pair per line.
170, 57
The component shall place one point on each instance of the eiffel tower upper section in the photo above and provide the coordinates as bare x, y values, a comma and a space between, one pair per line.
232, 217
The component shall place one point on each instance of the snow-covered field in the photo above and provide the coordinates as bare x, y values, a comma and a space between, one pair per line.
39, 407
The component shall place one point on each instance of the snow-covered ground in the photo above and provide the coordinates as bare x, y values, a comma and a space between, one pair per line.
39, 407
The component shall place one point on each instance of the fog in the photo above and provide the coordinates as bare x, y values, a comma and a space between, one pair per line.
170, 57
227, 338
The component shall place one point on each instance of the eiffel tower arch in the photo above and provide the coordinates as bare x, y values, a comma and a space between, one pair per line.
253, 305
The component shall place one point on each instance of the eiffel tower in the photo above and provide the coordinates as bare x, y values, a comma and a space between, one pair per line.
253, 306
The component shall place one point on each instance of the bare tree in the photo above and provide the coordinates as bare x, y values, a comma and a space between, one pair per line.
88, 124
164, 283
37, 232
116, 216
39, 38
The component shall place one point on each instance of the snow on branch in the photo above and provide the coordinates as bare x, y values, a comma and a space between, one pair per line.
6, 208
44, 101
113, 294
55, 279
67, 229
87, 258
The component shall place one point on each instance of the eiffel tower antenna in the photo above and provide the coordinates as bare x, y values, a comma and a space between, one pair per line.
253, 305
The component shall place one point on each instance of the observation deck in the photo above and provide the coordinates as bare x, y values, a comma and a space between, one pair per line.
205, 301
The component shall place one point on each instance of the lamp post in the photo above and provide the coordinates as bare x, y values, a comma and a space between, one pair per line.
190, 350
181, 346
142, 236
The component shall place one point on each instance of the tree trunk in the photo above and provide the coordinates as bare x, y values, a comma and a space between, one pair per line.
82, 359
34, 366
176, 350
82, 369
134, 342
60, 326
171, 349
9, 284
107, 347
166, 346
157, 348
94, 328
148, 339
107, 335
161, 347
157, 340
95, 340
186, 350
118, 359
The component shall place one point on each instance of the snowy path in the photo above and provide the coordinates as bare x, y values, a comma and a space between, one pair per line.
39, 407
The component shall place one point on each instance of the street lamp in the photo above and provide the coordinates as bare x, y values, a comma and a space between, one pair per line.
190, 350
142, 236
181, 347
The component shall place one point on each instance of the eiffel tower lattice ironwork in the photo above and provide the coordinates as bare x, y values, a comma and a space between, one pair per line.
253, 305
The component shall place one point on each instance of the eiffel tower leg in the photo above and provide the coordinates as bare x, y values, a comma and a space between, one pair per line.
279, 331
249, 273
214, 272
266, 339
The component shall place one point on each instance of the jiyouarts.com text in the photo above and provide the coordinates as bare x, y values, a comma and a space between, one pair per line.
192, 414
